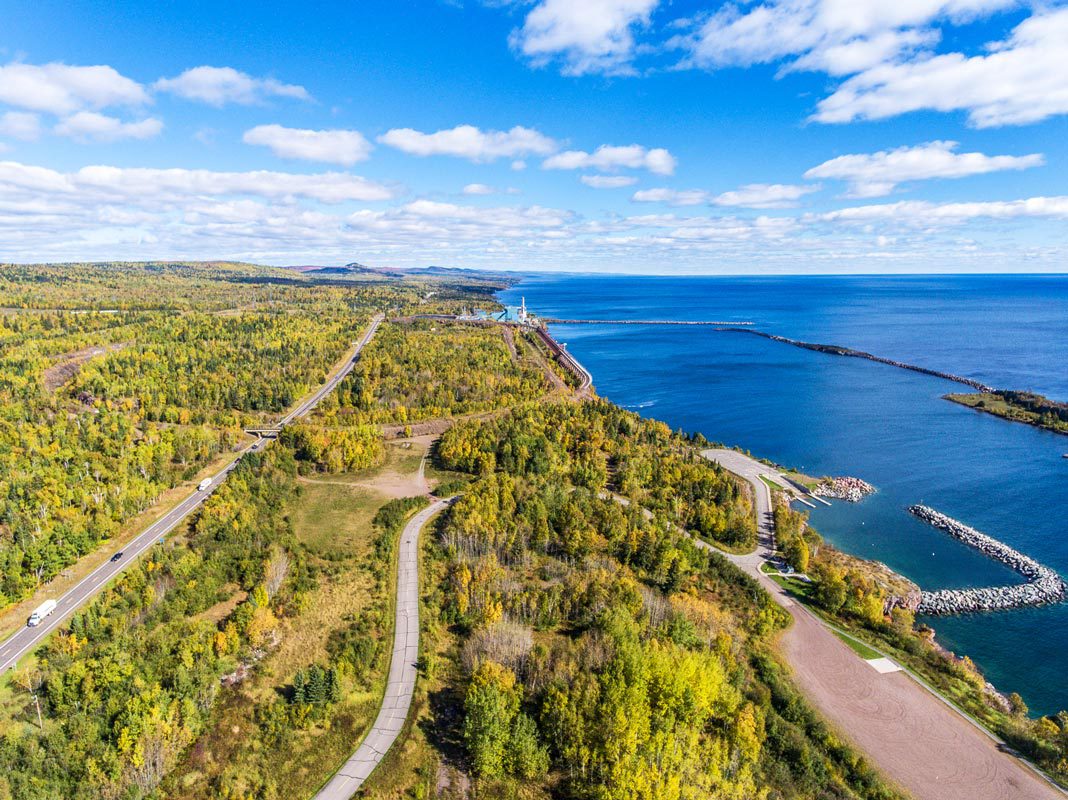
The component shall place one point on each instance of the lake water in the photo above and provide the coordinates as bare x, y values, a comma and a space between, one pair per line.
829, 415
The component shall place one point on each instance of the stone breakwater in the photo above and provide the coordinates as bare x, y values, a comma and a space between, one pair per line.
852, 490
836, 350
1043, 584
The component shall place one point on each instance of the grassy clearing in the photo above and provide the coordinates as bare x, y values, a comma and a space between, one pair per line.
858, 647
333, 521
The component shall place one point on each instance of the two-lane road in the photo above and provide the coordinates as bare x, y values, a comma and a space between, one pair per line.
24, 640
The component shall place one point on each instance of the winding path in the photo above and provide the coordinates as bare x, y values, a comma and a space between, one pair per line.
909, 733
400, 684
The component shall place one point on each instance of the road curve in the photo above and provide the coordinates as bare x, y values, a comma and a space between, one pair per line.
400, 684
22, 641
906, 731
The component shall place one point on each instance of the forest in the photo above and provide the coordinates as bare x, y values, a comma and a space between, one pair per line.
119, 382
598, 653
426, 370
578, 643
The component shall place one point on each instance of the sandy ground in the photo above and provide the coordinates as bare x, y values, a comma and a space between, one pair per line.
908, 733
67, 367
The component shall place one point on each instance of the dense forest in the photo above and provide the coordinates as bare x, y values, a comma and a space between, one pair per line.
599, 653
425, 370
117, 383
578, 643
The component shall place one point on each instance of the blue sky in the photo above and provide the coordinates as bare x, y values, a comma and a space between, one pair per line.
785, 136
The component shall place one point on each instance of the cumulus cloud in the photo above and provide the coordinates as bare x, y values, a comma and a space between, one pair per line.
608, 158
136, 183
608, 181
588, 36
63, 89
672, 197
1020, 80
877, 174
764, 195
835, 36
885, 54
478, 189
21, 125
219, 86
923, 213
90, 126
467, 141
753, 195
343, 147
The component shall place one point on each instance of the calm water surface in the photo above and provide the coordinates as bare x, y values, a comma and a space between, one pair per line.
833, 415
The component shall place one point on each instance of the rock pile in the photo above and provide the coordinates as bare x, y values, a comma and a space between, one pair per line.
1043, 584
844, 488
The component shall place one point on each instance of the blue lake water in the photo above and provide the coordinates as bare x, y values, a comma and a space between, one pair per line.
842, 416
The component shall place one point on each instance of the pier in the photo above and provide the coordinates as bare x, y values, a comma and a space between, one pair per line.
1043, 586
714, 323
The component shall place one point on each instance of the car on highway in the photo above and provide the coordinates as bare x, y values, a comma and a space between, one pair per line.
204, 484
117, 556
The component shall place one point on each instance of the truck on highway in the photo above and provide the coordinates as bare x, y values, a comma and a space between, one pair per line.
39, 613
204, 484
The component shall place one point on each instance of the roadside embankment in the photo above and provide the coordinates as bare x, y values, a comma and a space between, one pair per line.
1043, 584
568, 361
835, 350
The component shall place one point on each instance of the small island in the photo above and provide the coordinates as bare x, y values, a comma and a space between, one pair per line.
1026, 407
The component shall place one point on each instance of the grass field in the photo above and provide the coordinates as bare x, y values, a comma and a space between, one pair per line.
332, 520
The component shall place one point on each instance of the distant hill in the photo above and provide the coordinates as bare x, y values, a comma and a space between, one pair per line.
362, 270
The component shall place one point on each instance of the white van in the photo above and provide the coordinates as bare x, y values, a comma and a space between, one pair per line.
204, 484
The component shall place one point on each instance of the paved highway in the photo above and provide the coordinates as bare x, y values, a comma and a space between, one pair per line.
402, 672
23, 641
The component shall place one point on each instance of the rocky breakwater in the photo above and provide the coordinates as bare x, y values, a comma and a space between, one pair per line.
844, 488
1043, 584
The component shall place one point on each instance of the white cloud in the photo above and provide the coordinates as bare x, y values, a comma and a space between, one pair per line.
876, 174
610, 157
63, 89
519, 165
479, 189
835, 36
467, 141
1021, 80
21, 125
765, 195
218, 86
922, 213
90, 126
343, 147
608, 181
672, 197
754, 195
587, 35
885, 53
134, 183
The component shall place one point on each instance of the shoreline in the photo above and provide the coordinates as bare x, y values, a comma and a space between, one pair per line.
848, 352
